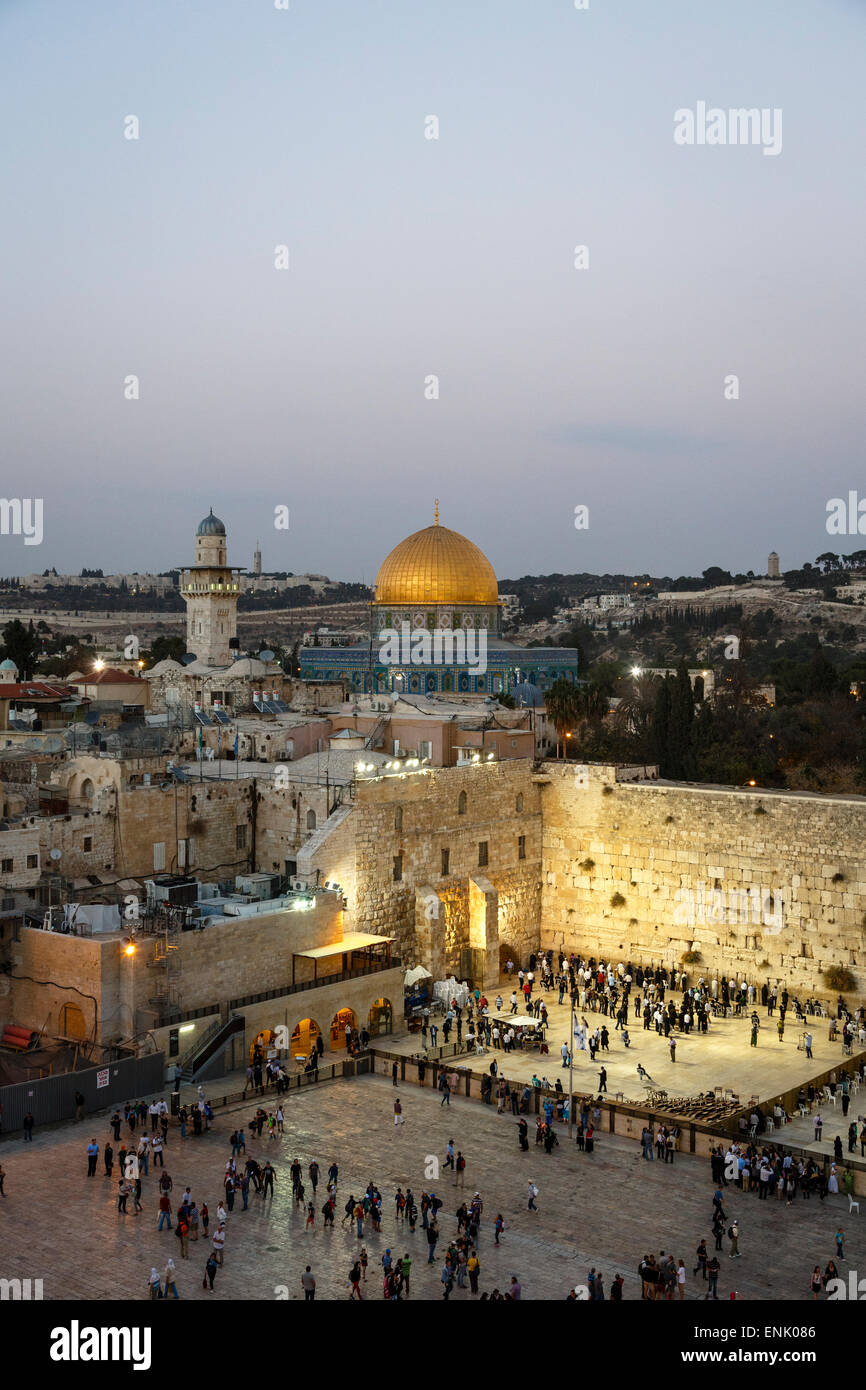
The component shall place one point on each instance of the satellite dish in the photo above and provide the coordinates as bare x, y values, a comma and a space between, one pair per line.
55, 854
188, 658
266, 655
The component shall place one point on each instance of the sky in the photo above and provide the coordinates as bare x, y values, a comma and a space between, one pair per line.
411, 258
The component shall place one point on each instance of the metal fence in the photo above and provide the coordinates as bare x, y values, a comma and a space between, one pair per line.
53, 1097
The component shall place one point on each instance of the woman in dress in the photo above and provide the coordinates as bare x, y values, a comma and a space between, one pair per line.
833, 1181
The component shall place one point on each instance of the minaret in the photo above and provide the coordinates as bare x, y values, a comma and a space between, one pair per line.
772, 565
210, 590
257, 559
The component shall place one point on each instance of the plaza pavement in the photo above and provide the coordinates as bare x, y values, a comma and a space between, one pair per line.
606, 1210
721, 1057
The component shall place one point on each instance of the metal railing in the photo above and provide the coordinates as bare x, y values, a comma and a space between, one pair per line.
376, 968
191, 1053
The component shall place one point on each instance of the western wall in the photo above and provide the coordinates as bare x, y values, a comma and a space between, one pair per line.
762, 885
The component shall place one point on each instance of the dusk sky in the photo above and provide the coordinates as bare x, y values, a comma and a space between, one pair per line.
410, 257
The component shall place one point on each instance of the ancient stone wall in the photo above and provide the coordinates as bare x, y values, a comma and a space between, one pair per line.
413, 819
282, 827
769, 886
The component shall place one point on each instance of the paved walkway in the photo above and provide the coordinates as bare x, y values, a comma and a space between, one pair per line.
606, 1210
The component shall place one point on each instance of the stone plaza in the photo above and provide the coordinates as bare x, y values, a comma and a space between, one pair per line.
604, 1210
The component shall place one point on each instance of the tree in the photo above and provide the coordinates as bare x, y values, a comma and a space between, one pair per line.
634, 713
21, 645
166, 649
681, 753
828, 560
715, 576
563, 708
660, 725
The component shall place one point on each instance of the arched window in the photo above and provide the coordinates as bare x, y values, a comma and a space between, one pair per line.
461, 804
311, 820
398, 819
519, 802
87, 788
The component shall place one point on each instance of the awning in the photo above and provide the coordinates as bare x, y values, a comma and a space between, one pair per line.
415, 974
354, 941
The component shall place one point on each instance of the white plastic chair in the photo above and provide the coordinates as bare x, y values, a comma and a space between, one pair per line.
771, 1126
852, 1204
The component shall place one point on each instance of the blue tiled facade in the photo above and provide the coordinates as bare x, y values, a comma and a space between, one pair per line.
507, 666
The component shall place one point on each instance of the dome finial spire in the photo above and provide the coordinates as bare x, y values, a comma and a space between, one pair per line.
436, 512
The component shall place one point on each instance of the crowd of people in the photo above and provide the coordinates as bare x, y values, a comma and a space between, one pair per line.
143, 1140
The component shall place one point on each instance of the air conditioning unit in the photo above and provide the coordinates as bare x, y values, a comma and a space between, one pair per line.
173, 889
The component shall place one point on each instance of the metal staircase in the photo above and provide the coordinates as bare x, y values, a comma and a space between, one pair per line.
212, 1040
375, 735
166, 959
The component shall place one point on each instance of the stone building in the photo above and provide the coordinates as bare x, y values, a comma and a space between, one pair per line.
270, 969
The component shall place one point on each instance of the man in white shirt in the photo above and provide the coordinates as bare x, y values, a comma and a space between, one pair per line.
218, 1242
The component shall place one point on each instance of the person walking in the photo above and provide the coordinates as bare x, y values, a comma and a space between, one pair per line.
153, 1284
268, 1175
532, 1194
218, 1242
734, 1236
399, 1118
840, 1242
308, 1284
210, 1270
164, 1211
713, 1269
169, 1279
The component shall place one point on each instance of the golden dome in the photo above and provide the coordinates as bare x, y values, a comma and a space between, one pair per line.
436, 566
